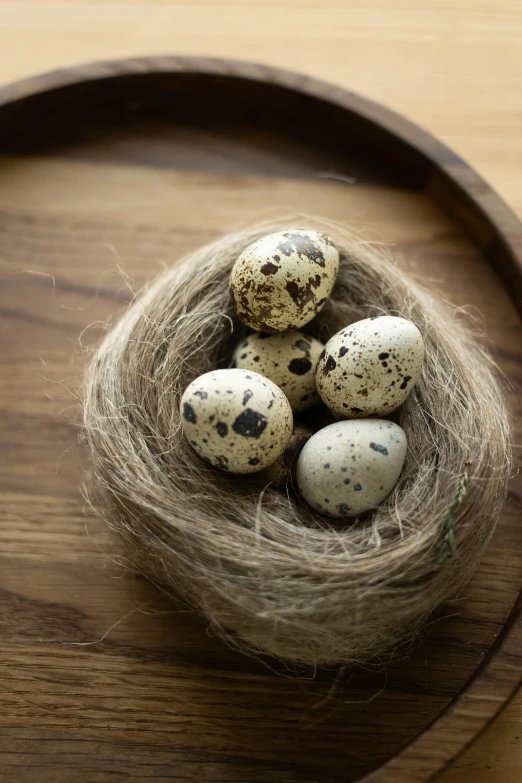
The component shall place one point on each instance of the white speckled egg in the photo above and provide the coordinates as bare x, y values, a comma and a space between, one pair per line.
288, 359
237, 420
370, 367
350, 467
282, 281
280, 470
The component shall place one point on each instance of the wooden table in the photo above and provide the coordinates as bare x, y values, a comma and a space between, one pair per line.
453, 66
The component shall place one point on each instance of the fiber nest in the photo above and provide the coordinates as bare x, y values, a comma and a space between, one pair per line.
268, 574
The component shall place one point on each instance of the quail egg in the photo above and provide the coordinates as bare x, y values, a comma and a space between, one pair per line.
280, 470
288, 359
350, 467
237, 420
370, 367
282, 280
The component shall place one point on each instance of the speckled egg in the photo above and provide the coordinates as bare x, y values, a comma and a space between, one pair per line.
288, 359
282, 281
237, 420
370, 367
280, 470
350, 467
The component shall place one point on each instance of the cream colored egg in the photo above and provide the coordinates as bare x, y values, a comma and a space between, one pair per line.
280, 470
283, 280
289, 359
370, 367
237, 420
350, 467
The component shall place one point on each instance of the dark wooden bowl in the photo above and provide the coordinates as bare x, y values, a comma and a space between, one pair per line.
108, 172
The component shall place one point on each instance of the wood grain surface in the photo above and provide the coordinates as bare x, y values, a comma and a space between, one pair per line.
151, 688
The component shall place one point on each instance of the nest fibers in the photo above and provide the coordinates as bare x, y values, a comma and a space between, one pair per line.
268, 573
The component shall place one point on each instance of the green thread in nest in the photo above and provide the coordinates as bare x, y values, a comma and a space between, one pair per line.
447, 520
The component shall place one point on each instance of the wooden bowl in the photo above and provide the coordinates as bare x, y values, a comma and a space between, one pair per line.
108, 173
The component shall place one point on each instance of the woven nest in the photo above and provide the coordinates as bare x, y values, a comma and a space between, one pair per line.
267, 573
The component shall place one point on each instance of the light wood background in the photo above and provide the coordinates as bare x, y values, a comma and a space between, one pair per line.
453, 66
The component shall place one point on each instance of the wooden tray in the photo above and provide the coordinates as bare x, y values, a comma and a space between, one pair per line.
107, 173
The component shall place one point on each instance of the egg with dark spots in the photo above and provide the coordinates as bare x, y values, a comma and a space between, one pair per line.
280, 472
370, 367
283, 280
238, 421
365, 460
288, 359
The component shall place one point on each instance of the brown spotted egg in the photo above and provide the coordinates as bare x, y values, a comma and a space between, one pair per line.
280, 471
350, 467
283, 280
370, 367
288, 359
237, 420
